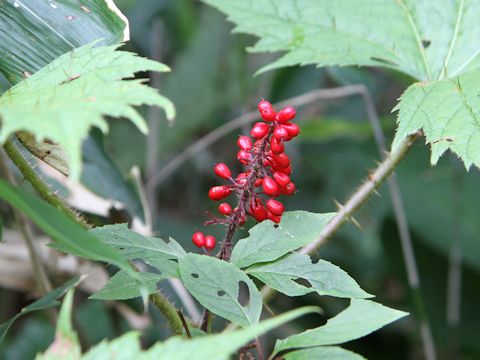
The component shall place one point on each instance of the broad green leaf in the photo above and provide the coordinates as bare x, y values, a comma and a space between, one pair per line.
121, 286
80, 88
217, 285
269, 241
323, 277
46, 302
448, 111
125, 347
361, 318
159, 252
66, 345
323, 352
220, 346
33, 33
68, 234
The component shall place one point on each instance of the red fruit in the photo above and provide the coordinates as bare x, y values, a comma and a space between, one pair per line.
281, 161
218, 192
289, 189
259, 130
258, 182
244, 157
292, 129
287, 170
268, 114
274, 218
286, 114
280, 133
225, 209
276, 146
270, 187
264, 105
275, 207
281, 178
259, 211
198, 238
210, 242
242, 178
244, 143
222, 170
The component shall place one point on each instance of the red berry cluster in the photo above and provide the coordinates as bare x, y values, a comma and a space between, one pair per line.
266, 177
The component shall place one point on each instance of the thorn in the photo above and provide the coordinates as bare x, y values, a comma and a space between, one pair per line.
337, 204
355, 222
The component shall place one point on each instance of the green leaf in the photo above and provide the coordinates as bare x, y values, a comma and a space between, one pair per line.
448, 111
217, 285
68, 234
220, 346
269, 241
158, 252
33, 33
79, 89
324, 352
323, 277
121, 286
46, 302
361, 318
124, 347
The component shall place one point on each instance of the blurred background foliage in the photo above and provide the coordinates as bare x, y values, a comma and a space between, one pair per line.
212, 81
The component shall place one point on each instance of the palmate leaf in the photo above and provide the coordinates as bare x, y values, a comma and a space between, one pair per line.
63, 100
435, 42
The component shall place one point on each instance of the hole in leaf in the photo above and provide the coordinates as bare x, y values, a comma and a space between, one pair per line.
243, 293
303, 282
165, 239
195, 276
276, 226
384, 61
426, 43
121, 248
220, 293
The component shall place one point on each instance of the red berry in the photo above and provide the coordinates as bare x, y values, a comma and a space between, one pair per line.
270, 187
259, 130
259, 211
268, 114
198, 238
219, 192
287, 170
242, 178
210, 242
274, 218
275, 207
292, 129
280, 133
225, 209
244, 157
222, 170
276, 146
286, 114
281, 161
258, 182
281, 178
244, 143
289, 189
264, 105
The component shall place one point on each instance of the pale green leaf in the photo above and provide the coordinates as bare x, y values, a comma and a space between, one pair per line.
121, 286
269, 241
125, 347
159, 252
216, 284
323, 352
63, 100
361, 318
323, 277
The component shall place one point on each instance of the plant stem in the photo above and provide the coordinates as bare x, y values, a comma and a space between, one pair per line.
169, 311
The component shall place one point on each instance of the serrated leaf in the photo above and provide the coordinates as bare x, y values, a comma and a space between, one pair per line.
121, 286
63, 100
324, 352
159, 252
269, 241
361, 318
323, 277
46, 302
448, 112
216, 284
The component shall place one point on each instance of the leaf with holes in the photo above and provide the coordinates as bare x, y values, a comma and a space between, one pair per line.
159, 252
361, 318
323, 352
122, 287
323, 277
430, 41
63, 100
269, 241
222, 288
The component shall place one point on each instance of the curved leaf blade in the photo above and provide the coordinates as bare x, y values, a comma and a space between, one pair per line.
323, 352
